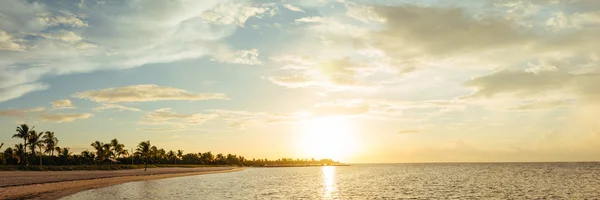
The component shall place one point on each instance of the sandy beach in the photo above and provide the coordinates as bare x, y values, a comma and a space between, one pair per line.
56, 184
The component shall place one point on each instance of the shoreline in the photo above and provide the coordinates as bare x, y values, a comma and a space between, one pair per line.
59, 189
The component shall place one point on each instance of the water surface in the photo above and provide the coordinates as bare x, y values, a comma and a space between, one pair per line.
377, 181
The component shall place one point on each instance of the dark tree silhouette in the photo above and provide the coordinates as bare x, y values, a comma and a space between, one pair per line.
35, 140
144, 150
23, 132
50, 141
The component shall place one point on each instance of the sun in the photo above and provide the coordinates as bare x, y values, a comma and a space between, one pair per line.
328, 137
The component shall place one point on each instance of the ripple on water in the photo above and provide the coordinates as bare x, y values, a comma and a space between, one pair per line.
382, 181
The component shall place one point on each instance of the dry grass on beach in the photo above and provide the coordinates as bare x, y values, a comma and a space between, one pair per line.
56, 184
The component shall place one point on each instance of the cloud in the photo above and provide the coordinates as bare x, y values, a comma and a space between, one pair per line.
166, 116
386, 109
117, 107
293, 81
162, 129
63, 117
232, 13
62, 104
490, 42
523, 12
410, 131
66, 36
390, 41
19, 112
40, 38
330, 74
233, 118
142, 93
415, 28
555, 83
62, 19
16, 91
313, 19
293, 8
519, 82
244, 119
539, 105
561, 21
7, 43
340, 108
363, 13
329, 54
246, 57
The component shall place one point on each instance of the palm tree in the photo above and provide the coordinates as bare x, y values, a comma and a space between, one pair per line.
35, 140
58, 150
123, 152
207, 158
19, 151
171, 155
144, 150
161, 154
50, 142
89, 156
117, 149
102, 150
179, 155
64, 154
10, 153
23, 132
232, 159
220, 159
242, 159
154, 153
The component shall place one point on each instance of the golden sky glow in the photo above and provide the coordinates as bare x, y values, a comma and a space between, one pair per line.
358, 81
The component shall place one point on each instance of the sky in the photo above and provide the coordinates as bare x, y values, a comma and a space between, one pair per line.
357, 81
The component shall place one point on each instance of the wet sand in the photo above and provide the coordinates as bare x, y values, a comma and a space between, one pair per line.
56, 184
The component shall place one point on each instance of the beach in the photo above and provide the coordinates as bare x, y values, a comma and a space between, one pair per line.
56, 184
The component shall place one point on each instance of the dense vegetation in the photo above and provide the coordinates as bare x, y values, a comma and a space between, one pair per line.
41, 149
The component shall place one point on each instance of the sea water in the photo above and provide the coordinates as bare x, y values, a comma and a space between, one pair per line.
374, 181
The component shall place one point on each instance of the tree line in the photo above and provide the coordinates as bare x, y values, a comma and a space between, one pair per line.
42, 148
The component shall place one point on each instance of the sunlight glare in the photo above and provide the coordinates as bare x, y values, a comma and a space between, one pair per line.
330, 137
328, 181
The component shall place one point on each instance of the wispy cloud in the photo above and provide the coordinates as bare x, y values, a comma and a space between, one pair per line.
235, 119
232, 13
69, 117
20, 112
142, 93
539, 105
118, 107
245, 57
7, 42
63, 19
293, 8
65, 103
166, 116
313, 19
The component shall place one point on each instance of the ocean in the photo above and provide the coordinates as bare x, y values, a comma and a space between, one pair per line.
374, 181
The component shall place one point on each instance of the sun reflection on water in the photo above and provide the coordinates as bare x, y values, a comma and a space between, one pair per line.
328, 181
